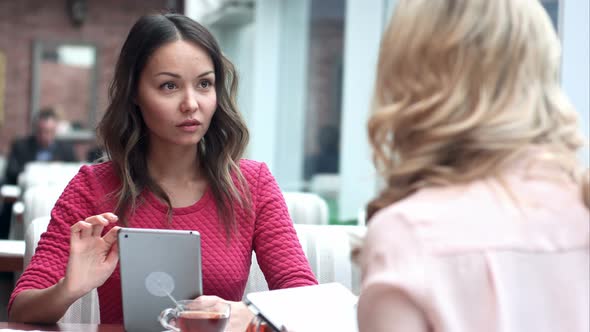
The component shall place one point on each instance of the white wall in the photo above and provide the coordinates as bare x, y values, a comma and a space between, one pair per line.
264, 115
270, 54
197, 9
363, 28
576, 58
237, 43
279, 84
292, 103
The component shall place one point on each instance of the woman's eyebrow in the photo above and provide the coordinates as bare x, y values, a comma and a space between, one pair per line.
168, 74
178, 76
206, 73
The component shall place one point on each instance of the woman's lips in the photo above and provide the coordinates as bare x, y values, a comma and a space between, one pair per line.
189, 125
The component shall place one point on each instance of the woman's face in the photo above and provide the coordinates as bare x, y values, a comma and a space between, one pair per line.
176, 94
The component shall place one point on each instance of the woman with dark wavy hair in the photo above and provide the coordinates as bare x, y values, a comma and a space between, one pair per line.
174, 139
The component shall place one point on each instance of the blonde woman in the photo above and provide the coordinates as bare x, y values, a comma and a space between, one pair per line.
483, 224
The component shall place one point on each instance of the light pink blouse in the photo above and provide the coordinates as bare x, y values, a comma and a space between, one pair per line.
475, 258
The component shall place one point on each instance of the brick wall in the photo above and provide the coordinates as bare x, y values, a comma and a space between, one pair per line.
24, 21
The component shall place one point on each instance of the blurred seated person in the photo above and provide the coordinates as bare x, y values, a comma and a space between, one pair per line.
40, 146
483, 224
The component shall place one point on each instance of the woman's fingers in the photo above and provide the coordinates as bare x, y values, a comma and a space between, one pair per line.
98, 222
103, 220
81, 230
111, 217
93, 226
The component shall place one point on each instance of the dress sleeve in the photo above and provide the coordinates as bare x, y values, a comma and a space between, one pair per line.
48, 264
277, 247
392, 264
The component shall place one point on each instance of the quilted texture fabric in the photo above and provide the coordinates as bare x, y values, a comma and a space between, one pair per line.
226, 264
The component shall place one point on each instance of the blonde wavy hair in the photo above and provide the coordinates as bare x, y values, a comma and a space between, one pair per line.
464, 87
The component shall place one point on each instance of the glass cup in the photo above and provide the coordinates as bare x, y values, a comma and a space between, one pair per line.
194, 316
258, 325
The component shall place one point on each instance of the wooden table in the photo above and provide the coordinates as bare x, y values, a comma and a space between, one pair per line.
63, 327
11, 255
74, 327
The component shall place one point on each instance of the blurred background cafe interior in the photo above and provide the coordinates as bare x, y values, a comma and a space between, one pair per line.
306, 70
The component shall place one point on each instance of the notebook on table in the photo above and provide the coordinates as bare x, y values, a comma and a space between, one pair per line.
325, 307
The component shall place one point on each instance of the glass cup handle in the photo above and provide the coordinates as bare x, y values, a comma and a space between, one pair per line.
165, 317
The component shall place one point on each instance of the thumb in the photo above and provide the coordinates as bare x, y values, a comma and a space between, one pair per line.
111, 237
113, 255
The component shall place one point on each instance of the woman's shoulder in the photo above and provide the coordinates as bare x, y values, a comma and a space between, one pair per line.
252, 169
249, 164
102, 173
101, 170
434, 205
258, 177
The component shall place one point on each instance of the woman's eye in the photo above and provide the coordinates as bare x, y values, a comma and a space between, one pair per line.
204, 84
168, 86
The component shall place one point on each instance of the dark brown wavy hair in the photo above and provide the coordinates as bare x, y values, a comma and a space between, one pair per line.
125, 138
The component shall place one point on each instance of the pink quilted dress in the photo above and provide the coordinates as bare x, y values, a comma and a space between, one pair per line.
268, 231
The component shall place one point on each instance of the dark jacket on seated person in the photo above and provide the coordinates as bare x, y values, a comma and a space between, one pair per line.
23, 151
27, 149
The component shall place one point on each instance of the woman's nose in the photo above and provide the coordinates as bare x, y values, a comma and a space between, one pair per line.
190, 102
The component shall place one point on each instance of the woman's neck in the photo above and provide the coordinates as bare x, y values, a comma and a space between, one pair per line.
178, 173
177, 165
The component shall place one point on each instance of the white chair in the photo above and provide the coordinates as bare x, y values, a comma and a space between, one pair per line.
328, 249
37, 227
37, 201
86, 309
361, 217
53, 173
325, 184
306, 208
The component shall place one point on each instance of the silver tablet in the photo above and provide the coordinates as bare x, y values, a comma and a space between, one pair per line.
156, 264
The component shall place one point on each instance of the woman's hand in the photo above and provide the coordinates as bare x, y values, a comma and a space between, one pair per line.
93, 257
240, 316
